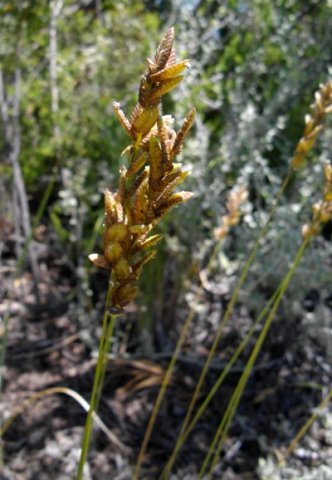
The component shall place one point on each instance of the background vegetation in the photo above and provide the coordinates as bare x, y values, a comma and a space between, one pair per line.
255, 67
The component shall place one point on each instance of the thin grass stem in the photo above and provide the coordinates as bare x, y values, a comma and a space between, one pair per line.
214, 254
161, 394
225, 372
224, 321
298, 437
106, 349
223, 423
303, 430
230, 412
169, 371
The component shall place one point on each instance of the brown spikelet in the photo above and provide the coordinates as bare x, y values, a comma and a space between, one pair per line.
173, 200
170, 72
181, 135
164, 49
172, 58
322, 210
144, 92
144, 144
138, 182
327, 169
137, 163
175, 177
140, 204
100, 261
111, 215
122, 118
138, 265
148, 243
169, 186
157, 167
165, 87
120, 195
143, 119
152, 67
236, 197
165, 154
124, 294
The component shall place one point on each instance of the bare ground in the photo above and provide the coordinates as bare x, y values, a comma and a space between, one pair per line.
48, 346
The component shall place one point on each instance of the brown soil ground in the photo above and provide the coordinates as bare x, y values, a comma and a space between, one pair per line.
48, 346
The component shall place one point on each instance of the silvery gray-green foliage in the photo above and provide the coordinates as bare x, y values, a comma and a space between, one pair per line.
255, 68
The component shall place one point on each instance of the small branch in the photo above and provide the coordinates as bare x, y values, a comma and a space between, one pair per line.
20, 205
19, 181
55, 9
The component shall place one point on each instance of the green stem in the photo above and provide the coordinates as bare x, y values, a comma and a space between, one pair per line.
224, 374
308, 424
107, 330
223, 422
230, 412
168, 376
161, 394
224, 321
214, 254
106, 349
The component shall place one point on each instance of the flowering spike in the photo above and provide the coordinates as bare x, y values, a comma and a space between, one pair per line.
236, 197
327, 182
313, 124
144, 194
322, 211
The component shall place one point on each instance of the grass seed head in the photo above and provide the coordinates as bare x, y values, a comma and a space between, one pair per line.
236, 197
313, 124
146, 188
322, 210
